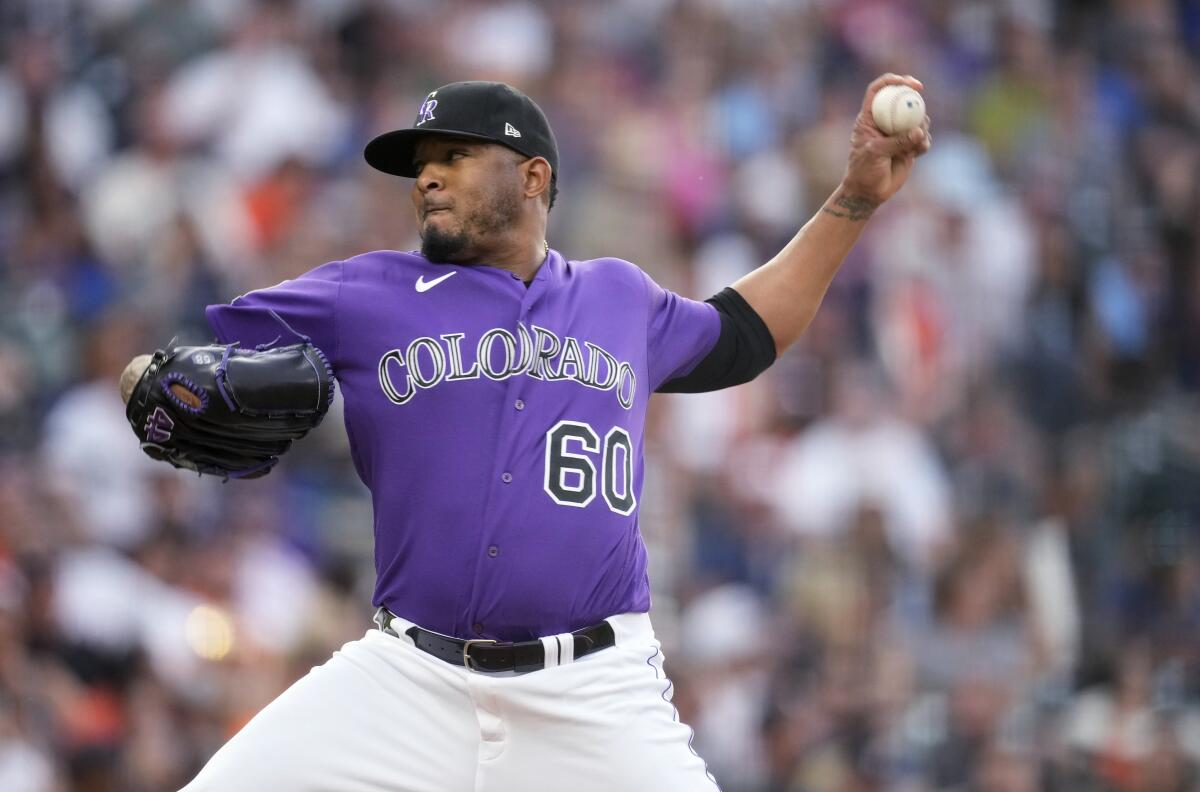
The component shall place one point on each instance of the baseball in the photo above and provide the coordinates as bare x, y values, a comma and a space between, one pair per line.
897, 109
131, 375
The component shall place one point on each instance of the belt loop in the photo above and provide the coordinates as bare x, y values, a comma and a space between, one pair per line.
567, 642
552, 650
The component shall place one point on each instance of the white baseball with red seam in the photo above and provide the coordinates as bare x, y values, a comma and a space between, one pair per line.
897, 109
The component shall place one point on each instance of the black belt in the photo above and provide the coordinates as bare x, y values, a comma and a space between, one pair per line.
493, 656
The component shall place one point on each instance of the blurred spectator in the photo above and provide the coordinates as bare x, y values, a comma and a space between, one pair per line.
89, 459
862, 456
728, 671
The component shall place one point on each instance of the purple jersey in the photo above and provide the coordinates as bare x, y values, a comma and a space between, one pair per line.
499, 428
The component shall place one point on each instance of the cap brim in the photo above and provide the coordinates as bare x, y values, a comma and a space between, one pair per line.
392, 152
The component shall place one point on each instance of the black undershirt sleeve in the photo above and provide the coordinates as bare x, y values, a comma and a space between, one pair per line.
744, 349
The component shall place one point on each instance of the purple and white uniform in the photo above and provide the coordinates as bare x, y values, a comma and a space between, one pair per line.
499, 427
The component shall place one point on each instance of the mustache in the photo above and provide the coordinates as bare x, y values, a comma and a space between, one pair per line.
433, 206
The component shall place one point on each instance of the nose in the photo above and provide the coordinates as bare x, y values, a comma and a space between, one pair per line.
429, 179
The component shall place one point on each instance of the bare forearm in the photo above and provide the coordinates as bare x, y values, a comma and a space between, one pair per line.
787, 291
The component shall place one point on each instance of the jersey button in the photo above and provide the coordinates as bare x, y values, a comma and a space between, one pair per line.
506, 477
478, 628
520, 405
493, 551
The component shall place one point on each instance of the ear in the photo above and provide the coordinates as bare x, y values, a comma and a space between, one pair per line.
536, 175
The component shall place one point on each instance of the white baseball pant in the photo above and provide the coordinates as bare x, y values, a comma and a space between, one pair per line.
383, 716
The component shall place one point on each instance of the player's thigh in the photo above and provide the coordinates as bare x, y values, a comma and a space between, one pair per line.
654, 747
657, 742
379, 715
605, 723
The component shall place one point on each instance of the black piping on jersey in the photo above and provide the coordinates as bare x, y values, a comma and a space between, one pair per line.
744, 349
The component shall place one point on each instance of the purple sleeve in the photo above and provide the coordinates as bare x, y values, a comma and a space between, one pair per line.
680, 334
307, 304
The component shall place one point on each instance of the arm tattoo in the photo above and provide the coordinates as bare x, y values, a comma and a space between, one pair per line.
851, 207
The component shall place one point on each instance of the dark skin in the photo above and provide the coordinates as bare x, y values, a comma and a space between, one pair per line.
481, 203
479, 182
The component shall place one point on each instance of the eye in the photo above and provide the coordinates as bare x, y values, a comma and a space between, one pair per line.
457, 154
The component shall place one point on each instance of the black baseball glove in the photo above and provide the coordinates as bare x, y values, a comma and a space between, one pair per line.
227, 411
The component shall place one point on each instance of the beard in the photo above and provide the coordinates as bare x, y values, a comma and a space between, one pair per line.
445, 247
477, 233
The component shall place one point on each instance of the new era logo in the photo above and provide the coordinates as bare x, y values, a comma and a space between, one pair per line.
511, 130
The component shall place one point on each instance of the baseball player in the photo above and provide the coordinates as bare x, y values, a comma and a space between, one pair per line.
495, 398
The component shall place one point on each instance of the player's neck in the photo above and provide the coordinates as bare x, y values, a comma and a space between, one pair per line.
522, 258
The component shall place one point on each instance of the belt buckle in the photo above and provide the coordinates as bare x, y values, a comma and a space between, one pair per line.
467, 648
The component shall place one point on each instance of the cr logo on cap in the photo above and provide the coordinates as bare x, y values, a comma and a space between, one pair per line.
426, 111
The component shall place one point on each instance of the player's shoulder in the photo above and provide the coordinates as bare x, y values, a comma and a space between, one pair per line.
614, 278
378, 269
609, 270
383, 261
608, 265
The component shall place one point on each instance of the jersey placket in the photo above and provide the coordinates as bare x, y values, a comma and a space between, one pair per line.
513, 418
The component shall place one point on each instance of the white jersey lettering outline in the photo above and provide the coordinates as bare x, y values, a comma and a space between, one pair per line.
499, 355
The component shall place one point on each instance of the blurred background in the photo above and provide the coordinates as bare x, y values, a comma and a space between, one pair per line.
951, 541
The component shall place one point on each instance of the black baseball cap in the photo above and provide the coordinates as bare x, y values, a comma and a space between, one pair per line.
476, 109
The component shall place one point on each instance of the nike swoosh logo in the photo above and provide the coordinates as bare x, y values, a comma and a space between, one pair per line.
424, 285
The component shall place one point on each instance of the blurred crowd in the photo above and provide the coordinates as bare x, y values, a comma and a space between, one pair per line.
950, 541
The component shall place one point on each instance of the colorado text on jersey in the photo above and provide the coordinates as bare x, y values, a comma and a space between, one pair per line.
535, 352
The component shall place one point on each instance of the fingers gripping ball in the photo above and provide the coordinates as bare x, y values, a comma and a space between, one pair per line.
897, 108
227, 411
